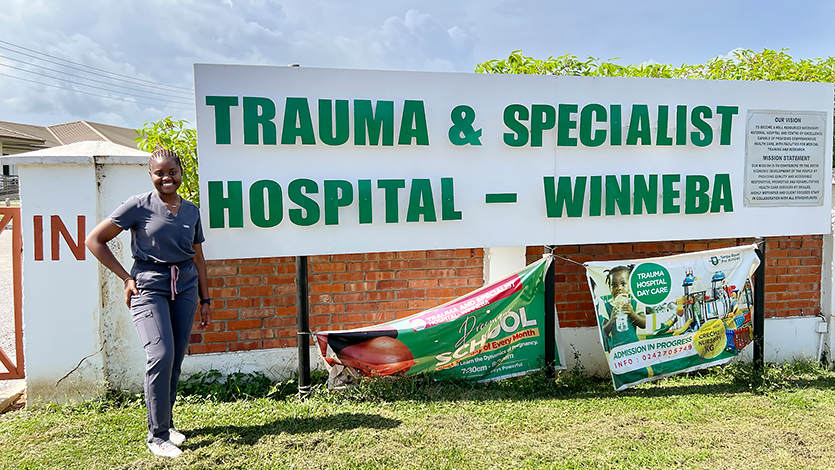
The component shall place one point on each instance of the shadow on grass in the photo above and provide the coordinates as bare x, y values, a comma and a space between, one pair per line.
249, 435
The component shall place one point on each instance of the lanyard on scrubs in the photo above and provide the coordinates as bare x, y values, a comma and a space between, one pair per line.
175, 275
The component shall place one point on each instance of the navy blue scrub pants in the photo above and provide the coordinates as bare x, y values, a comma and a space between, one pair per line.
164, 327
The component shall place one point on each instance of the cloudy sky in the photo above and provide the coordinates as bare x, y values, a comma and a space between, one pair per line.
140, 54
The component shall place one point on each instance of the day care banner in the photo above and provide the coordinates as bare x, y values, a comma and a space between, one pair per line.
661, 316
492, 333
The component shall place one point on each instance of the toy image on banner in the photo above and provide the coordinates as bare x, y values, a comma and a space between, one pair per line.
492, 333
661, 316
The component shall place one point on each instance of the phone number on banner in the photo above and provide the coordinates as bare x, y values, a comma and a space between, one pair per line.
634, 356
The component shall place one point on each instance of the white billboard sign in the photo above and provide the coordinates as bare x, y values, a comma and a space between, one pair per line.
316, 161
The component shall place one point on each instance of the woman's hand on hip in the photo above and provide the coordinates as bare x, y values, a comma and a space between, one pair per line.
130, 289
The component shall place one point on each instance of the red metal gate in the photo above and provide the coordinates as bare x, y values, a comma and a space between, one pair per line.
14, 371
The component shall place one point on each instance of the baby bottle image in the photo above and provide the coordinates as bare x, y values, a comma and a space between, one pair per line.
621, 318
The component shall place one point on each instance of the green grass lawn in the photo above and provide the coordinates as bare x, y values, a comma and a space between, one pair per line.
708, 420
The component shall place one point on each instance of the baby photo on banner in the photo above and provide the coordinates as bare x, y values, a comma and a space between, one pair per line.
662, 316
492, 333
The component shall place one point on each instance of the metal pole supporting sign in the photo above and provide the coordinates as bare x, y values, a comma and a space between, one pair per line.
303, 333
759, 308
550, 318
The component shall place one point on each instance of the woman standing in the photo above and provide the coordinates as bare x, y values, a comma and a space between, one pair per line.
163, 288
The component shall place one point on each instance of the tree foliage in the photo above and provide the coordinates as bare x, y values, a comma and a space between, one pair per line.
744, 64
174, 135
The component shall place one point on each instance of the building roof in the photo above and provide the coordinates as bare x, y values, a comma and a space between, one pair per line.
16, 137
13, 134
34, 136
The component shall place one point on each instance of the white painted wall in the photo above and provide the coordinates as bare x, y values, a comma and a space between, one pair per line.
501, 261
65, 346
789, 339
277, 364
61, 310
124, 354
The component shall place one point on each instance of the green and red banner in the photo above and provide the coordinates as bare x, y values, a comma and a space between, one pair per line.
662, 316
492, 333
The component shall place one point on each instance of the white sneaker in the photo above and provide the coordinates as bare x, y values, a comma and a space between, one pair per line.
164, 449
176, 437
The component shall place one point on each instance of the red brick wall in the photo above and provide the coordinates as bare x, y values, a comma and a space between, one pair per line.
254, 300
254, 305
792, 275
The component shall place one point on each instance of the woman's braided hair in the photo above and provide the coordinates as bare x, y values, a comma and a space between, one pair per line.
162, 154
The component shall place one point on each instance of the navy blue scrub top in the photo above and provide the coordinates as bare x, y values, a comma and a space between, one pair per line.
158, 236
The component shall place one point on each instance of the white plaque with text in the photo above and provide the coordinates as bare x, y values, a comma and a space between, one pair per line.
785, 158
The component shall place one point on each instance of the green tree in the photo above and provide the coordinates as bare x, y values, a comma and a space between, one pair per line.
742, 65
175, 135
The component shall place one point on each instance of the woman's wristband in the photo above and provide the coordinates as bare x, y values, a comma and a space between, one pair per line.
129, 278
205, 301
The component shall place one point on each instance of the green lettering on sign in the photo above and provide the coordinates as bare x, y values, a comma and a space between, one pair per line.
704, 135
696, 199
681, 124
370, 126
662, 138
639, 127
543, 117
722, 199
617, 194
338, 193
421, 202
462, 131
333, 127
266, 207
223, 117
258, 114
646, 194
364, 190
448, 211
669, 194
390, 193
565, 124
562, 195
308, 211
512, 115
727, 113
297, 123
615, 128
219, 204
590, 114
595, 195
413, 125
